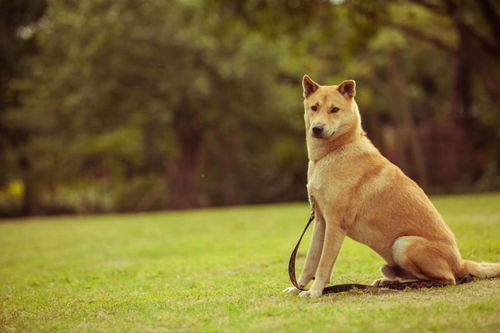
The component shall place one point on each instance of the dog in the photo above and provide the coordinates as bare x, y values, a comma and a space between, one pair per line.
357, 192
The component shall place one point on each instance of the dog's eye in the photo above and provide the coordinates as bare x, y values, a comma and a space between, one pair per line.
314, 107
334, 110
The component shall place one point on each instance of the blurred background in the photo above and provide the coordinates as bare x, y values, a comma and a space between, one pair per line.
118, 106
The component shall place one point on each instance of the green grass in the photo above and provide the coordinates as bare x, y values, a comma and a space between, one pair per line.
223, 270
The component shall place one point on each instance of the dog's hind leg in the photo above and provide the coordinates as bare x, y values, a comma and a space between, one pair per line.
393, 273
426, 259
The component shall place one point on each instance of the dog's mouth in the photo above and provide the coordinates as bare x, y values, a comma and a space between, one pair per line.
322, 135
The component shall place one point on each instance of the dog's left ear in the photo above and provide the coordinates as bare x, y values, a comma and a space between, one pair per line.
347, 89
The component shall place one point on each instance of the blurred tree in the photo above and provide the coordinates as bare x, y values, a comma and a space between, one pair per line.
474, 49
477, 26
463, 30
189, 84
146, 105
18, 20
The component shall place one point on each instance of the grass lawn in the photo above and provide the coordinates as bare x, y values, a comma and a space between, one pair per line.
223, 270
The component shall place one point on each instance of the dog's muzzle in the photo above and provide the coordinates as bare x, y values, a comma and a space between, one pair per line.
317, 131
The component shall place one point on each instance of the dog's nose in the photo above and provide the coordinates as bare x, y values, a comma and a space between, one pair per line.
317, 130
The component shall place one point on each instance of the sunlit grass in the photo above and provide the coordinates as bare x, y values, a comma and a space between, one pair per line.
223, 270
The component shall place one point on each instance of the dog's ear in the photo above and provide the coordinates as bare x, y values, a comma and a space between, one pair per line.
347, 89
309, 86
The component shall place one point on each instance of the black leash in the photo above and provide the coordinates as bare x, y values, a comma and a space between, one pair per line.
291, 262
350, 286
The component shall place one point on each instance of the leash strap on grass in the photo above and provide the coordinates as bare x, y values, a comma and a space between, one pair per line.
291, 262
350, 286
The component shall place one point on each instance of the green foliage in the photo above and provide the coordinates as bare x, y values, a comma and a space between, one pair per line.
223, 270
121, 85
205, 97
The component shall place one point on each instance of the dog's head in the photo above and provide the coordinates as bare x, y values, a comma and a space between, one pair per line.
330, 111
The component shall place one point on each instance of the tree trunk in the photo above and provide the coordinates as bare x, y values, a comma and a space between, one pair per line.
185, 191
228, 159
187, 166
451, 143
462, 125
27, 206
484, 65
405, 125
481, 54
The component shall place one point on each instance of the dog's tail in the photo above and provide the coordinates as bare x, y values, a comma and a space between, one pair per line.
482, 269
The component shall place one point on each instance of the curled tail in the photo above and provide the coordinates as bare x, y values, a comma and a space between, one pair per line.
482, 269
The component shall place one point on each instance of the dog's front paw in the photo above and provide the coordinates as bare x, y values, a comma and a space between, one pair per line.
291, 291
311, 293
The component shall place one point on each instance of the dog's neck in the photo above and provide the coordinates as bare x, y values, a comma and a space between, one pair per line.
319, 148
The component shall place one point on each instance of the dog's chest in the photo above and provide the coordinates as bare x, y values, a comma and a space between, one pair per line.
315, 187
326, 180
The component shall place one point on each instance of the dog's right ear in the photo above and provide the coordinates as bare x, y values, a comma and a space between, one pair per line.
309, 86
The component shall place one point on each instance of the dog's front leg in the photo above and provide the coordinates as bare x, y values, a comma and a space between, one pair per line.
334, 236
314, 253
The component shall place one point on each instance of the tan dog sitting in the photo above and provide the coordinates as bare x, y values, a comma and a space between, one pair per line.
357, 192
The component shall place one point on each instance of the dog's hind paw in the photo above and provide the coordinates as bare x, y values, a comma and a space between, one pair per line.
382, 282
310, 293
291, 291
